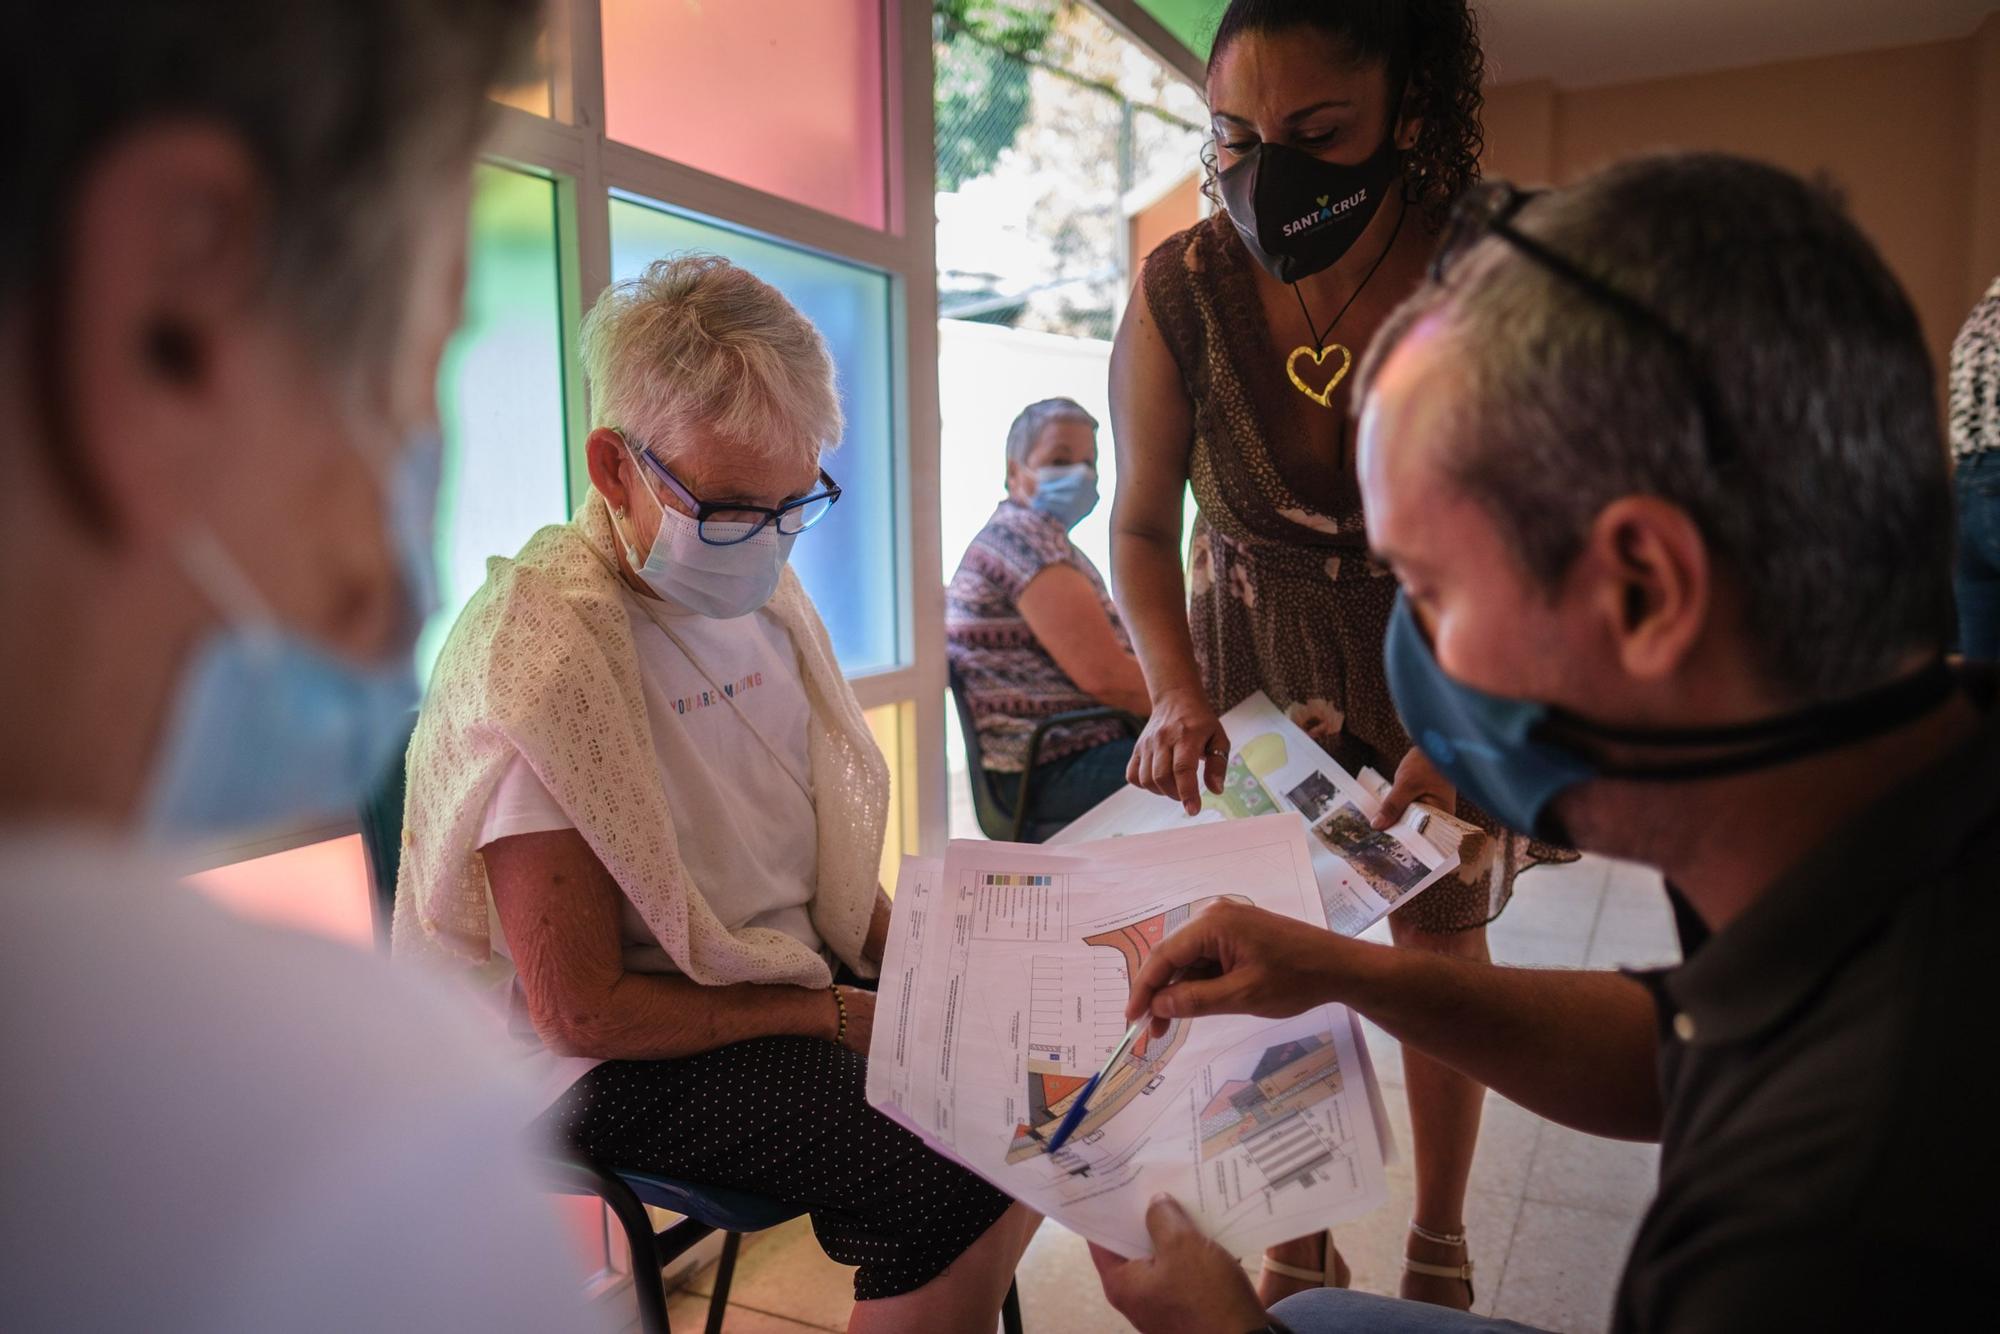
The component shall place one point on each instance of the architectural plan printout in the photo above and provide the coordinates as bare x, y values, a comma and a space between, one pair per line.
1003, 991
1274, 766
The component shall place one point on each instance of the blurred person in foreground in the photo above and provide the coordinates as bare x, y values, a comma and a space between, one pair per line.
233, 250
1657, 461
1032, 631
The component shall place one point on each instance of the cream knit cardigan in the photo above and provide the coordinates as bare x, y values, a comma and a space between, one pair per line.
541, 663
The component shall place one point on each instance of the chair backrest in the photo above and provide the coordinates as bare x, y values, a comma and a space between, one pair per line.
993, 821
382, 836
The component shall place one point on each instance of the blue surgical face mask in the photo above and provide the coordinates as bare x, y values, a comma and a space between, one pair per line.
719, 582
1065, 493
1485, 744
1514, 757
266, 727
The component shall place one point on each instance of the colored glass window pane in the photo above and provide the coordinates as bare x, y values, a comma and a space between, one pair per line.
895, 729
505, 472
321, 889
1193, 21
849, 560
781, 95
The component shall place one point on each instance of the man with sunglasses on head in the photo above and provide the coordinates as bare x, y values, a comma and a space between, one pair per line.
1657, 461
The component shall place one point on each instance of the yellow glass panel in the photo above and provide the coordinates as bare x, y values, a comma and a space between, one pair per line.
532, 98
537, 95
895, 729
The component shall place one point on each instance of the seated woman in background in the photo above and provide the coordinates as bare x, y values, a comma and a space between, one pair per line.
645, 807
1032, 632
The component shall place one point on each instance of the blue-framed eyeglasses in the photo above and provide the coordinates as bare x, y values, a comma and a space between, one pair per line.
1489, 209
727, 524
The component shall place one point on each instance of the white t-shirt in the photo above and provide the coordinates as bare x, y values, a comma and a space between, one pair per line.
746, 827
258, 1130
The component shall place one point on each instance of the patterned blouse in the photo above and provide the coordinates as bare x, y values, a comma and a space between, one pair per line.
1975, 379
1009, 679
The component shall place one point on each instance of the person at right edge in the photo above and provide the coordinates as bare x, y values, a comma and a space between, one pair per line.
1677, 588
1344, 130
1974, 424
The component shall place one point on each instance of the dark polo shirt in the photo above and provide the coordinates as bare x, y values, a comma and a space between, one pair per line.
1830, 1155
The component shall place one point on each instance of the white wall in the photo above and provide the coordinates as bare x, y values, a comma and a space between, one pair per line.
986, 375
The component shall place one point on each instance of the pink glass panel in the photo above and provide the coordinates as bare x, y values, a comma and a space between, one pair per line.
321, 888
782, 95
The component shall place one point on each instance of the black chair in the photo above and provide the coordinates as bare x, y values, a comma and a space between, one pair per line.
704, 1210
994, 821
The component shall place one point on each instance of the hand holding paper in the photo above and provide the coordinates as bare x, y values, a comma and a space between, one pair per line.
1364, 868
1417, 780
1189, 1286
1004, 992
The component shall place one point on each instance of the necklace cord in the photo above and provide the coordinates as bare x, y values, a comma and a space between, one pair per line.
1319, 339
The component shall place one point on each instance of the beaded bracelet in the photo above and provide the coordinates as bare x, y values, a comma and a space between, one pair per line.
840, 1005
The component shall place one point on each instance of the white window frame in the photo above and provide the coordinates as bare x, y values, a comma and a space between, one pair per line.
569, 148
1143, 30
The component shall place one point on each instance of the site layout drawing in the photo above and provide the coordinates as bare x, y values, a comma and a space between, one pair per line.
1362, 872
1004, 989
1052, 1064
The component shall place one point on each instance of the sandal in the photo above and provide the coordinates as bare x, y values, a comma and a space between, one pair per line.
1461, 1272
1332, 1273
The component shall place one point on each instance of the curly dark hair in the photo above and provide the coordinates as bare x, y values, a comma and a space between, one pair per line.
1431, 49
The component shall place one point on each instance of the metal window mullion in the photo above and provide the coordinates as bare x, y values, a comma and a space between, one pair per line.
907, 64
534, 143
1132, 21
680, 186
587, 218
893, 686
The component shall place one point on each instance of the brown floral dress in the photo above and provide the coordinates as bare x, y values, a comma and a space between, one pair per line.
1283, 595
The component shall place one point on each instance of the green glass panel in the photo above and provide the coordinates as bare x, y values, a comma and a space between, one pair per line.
1193, 21
501, 392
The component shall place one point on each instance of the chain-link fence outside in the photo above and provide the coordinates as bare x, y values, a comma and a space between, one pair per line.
1047, 120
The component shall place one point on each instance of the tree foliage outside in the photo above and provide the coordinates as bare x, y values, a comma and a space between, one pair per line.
982, 80
1046, 118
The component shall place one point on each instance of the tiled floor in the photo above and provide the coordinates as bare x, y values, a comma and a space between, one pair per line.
1550, 1211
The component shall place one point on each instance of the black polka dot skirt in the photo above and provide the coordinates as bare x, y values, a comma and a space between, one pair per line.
788, 1118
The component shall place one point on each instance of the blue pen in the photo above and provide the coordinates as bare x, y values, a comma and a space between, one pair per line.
1075, 1117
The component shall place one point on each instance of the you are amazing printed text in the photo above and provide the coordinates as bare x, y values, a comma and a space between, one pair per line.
702, 699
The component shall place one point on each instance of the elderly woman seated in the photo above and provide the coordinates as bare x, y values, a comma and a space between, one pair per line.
1032, 632
645, 807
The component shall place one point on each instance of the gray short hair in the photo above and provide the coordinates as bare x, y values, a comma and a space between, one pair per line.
1835, 519
1028, 427
349, 107
696, 341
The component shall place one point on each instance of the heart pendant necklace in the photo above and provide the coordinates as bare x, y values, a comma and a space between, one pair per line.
1320, 348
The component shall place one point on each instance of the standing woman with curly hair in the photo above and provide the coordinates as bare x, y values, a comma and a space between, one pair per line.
1344, 130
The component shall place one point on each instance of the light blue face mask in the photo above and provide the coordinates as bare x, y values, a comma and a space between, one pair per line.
719, 582
268, 728
1065, 494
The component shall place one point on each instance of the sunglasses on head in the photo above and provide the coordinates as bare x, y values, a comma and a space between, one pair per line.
1489, 209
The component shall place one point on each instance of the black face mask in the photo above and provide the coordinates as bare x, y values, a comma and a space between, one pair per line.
1297, 214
